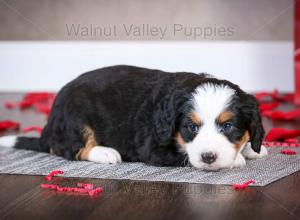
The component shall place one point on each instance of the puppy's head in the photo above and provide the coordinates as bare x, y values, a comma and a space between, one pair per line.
216, 124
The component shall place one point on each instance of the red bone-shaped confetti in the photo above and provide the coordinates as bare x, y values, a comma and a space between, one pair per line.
281, 134
53, 173
42, 102
8, 124
244, 185
280, 115
82, 188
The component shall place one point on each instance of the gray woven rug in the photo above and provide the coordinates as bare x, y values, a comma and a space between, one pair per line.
263, 171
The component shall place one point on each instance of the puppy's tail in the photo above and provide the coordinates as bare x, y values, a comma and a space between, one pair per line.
27, 143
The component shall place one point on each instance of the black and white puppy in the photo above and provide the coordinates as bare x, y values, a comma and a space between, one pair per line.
126, 113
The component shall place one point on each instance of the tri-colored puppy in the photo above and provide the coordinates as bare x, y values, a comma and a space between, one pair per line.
126, 113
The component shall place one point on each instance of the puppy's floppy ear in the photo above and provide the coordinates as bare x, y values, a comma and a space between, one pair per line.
254, 122
165, 117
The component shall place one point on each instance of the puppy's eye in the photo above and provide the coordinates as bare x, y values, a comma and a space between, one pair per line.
193, 128
226, 127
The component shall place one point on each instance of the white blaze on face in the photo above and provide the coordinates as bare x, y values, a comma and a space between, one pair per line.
209, 101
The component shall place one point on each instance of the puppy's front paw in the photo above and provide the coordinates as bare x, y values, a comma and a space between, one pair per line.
104, 155
239, 161
249, 153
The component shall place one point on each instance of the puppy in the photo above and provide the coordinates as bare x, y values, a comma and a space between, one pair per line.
127, 113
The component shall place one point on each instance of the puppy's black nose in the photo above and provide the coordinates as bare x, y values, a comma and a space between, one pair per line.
208, 157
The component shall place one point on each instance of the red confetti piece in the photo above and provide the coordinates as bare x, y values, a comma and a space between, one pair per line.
95, 191
45, 109
83, 188
33, 128
280, 115
48, 186
8, 124
42, 102
244, 185
289, 97
268, 106
90, 192
50, 176
288, 152
281, 134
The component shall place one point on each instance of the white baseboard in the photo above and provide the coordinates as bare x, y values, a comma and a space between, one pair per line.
39, 66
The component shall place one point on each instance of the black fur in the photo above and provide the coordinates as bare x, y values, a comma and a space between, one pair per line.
135, 110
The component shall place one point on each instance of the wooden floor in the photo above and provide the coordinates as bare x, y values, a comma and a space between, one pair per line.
22, 198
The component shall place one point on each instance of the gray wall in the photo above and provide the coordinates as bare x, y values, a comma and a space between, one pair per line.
208, 20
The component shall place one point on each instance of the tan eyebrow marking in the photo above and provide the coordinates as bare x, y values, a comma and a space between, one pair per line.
224, 116
195, 118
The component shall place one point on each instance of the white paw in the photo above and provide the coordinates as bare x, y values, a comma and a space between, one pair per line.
239, 161
104, 155
249, 153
